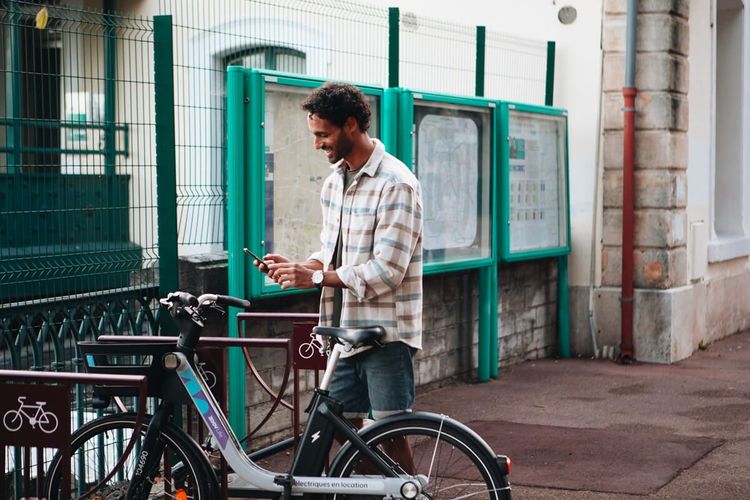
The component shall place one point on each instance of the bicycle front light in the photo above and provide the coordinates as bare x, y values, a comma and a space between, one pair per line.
170, 361
409, 490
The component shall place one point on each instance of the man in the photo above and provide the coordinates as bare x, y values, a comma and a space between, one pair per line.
370, 262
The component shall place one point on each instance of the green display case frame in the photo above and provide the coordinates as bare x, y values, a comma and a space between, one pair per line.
404, 100
247, 227
503, 221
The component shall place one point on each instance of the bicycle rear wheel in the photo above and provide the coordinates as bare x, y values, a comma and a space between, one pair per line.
455, 460
97, 446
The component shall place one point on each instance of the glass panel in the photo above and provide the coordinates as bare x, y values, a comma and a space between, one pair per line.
452, 161
537, 182
294, 173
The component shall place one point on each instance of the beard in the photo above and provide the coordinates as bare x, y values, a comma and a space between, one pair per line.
342, 148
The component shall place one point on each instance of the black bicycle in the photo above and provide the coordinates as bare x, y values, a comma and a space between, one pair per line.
448, 460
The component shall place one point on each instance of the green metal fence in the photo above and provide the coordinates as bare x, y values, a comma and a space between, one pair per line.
79, 254
340, 40
77, 171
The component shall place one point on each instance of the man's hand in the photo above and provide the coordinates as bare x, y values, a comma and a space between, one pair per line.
270, 258
291, 274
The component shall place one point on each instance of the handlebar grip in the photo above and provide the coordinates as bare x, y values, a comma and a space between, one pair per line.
187, 298
232, 301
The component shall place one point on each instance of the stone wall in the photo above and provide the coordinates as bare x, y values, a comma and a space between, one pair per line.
528, 310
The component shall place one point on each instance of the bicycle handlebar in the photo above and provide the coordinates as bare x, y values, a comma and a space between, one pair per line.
188, 299
224, 300
185, 308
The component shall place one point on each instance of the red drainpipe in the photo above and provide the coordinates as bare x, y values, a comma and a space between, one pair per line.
626, 300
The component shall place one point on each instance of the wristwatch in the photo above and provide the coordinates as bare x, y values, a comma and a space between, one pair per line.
317, 279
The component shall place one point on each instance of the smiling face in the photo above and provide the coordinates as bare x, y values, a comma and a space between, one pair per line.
336, 142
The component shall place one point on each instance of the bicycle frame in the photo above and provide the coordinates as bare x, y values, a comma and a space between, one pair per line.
264, 480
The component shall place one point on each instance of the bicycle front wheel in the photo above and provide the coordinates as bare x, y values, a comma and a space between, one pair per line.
182, 472
456, 461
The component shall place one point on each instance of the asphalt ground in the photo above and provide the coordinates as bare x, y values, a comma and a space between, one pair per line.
596, 429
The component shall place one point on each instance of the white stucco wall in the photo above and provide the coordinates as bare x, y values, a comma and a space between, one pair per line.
577, 86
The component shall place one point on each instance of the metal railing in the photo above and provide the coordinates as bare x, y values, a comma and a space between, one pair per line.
36, 415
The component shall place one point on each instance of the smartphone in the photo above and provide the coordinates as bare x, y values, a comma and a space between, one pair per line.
251, 254
259, 259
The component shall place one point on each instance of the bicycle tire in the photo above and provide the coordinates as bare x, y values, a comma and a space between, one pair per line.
189, 468
456, 461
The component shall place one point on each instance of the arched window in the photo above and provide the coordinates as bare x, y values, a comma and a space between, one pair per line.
273, 58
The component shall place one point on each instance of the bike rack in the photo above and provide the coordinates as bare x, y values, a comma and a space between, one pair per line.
302, 325
54, 388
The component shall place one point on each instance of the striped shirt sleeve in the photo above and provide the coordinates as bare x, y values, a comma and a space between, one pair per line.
397, 230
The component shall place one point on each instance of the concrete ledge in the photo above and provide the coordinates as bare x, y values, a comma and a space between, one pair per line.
667, 324
728, 248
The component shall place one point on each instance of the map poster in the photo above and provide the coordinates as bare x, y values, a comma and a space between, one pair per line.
452, 164
537, 182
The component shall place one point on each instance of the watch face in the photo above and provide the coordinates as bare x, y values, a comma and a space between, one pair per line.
317, 278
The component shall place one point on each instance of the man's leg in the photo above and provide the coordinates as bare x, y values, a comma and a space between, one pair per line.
390, 382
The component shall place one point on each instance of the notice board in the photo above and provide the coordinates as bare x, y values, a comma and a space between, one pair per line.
534, 182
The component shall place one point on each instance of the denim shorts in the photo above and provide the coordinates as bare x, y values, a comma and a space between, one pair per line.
378, 379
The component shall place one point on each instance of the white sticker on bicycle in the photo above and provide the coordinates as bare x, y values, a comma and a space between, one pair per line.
352, 484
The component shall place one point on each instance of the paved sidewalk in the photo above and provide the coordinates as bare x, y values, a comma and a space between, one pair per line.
586, 429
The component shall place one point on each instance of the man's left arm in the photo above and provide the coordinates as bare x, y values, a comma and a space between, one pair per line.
398, 229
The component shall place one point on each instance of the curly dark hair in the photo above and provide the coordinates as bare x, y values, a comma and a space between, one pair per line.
336, 102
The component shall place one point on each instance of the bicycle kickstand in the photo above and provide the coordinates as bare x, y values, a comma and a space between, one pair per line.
286, 481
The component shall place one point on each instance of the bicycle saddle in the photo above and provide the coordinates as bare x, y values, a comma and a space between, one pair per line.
369, 335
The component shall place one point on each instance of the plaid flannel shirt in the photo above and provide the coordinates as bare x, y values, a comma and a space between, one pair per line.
380, 217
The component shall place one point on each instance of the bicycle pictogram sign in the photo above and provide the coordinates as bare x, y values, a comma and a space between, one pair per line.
308, 349
309, 353
35, 415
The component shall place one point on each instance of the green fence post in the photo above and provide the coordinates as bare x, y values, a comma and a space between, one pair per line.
563, 307
549, 88
13, 90
393, 46
110, 73
487, 275
494, 330
484, 310
479, 72
237, 105
166, 179
563, 301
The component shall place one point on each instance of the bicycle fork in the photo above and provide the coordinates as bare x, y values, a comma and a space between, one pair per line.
150, 455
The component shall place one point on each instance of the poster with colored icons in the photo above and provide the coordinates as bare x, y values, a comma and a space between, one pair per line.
537, 215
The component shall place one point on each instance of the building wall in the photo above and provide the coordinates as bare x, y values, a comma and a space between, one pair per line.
691, 279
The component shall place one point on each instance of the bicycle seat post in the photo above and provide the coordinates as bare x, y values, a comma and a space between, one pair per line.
333, 359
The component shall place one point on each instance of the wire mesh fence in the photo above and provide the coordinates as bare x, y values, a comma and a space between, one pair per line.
78, 207
340, 40
436, 56
77, 171
515, 68
307, 37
